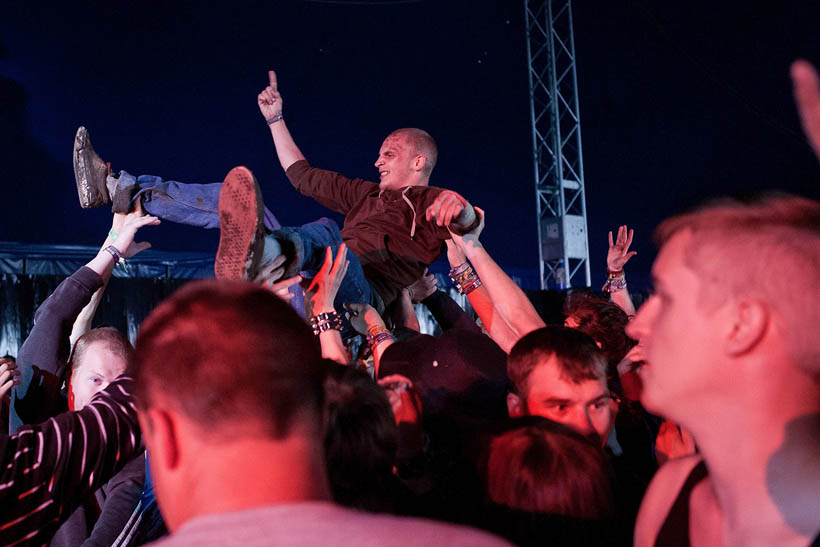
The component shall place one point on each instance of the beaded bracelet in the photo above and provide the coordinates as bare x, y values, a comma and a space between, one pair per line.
615, 281
113, 251
326, 321
462, 273
118, 259
464, 278
470, 287
378, 334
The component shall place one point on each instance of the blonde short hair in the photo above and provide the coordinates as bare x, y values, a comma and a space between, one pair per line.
767, 248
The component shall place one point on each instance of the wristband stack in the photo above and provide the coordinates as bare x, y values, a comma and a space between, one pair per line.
378, 334
615, 281
118, 259
464, 278
326, 321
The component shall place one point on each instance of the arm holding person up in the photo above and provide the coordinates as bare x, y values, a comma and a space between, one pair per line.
366, 320
270, 104
46, 349
509, 301
319, 297
83, 322
501, 333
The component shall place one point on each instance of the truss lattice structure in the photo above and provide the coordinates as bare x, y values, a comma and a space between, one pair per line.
556, 141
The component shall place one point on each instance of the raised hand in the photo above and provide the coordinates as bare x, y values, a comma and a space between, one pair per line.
272, 272
363, 316
8, 374
322, 290
619, 253
269, 99
470, 238
269, 277
447, 208
124, 242
673, 442
807, 96
404, 400
423, 287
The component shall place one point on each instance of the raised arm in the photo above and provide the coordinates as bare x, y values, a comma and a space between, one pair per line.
45, 351
617, 256
807, 96
479, 297
319, 310
508, 300
83, 322
366, 320
270, 104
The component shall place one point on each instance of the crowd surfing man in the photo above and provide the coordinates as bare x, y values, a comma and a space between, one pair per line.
394, 228
733, 357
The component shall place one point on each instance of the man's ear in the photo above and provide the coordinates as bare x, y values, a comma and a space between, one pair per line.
161, 434
750, 321
515, 406
419, 162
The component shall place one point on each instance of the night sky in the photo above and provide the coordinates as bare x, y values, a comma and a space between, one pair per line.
679, 101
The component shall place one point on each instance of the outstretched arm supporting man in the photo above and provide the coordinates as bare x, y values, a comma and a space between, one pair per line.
512, 305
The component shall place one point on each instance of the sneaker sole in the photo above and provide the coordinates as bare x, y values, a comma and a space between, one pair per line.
240, 221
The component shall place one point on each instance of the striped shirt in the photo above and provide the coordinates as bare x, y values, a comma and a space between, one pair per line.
47, 469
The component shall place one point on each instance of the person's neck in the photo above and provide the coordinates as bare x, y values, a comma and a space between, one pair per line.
753, 446
418, 180
248, 473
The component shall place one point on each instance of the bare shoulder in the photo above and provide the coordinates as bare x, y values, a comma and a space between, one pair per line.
659, 497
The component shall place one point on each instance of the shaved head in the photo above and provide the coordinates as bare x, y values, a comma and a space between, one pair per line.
421, 144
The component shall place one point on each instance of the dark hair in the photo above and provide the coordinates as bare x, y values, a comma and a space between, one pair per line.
577, 355
361, 439
544, 467
110, 338
232, 357
604, 321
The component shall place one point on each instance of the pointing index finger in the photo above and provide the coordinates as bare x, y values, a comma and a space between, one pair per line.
272, 78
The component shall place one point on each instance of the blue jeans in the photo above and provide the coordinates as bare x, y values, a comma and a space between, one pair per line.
197, 205
311, 240
192, 204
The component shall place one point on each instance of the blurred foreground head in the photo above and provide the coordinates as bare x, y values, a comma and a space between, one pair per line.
228, 377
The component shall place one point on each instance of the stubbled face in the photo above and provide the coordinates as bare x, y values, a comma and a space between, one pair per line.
395, 163
679, 337
98, 368
586, 406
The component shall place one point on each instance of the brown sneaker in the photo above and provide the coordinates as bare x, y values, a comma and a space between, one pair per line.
241, 226
90, 172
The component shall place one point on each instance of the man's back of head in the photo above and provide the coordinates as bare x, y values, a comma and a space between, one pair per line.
229, 381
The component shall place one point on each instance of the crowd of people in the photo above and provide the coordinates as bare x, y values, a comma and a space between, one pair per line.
293, 401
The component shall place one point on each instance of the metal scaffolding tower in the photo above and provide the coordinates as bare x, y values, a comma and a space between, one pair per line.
556, 141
